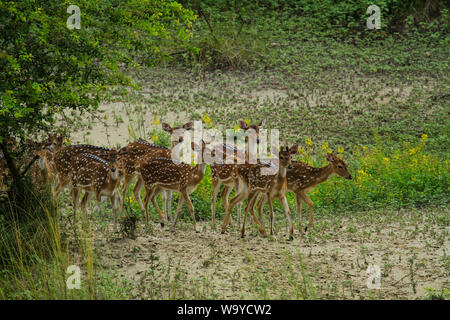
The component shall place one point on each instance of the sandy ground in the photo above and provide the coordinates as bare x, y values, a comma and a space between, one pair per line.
333, 258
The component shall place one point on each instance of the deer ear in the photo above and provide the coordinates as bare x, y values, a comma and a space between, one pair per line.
294, 149
330, 157
243, 125
188, 126
262, 123
167, 128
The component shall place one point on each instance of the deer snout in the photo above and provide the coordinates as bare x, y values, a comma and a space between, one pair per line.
290, 166
349, 177
180, 139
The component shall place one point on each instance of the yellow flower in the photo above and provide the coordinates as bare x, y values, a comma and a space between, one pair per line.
236, 128
155, 138
329, 150
424, 136
341, 149
301, 150
156, 120
365, 148
325, 146
412, 151
130, 199
308, 141
247, 121
67, 141
386, 160
206, 118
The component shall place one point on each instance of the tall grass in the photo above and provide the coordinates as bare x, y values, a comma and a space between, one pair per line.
35, 254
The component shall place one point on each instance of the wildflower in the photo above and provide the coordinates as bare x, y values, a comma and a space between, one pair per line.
329, 150
67, 141
155, 138
301, 151
206, 118
308, 141
412, 151
365, 148
424, 136
247, 121
236, 128
341, 149
386, 160
130, 199
325, 146
156, 121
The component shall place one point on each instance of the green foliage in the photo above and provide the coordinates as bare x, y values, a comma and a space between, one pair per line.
47, 67
385, 177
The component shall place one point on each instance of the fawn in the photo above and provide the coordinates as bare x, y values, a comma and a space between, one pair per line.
163, 174
302, 179
223, 173
143, 151
96, 176
252, 182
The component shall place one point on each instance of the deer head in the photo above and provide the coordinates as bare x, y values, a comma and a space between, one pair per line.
252, 129
177, 132
338, 165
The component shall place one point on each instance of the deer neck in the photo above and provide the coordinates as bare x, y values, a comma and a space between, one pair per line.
323, 174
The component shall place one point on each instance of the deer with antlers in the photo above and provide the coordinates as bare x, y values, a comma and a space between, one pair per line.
142, 151
164, 174
97, 177
223, 173
303, 178
253, 181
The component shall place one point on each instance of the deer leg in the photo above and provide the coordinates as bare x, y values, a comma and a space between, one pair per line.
177, 213
137, 191
84, 202
260, 206
169, 204
148, 191
190, 206
311, 205
162, 218
115, 198
238, 198
225, 194
287, 212
269, 201
251, 206
245, 215
298, 199
215, 189
75, 197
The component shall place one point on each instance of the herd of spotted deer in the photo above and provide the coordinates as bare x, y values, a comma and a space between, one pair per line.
99, 171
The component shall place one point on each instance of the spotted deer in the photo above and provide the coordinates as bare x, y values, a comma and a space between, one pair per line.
45, 169
63, 162
253, 181
143, 151
303, 178
223, 173
97, 177
164, 174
